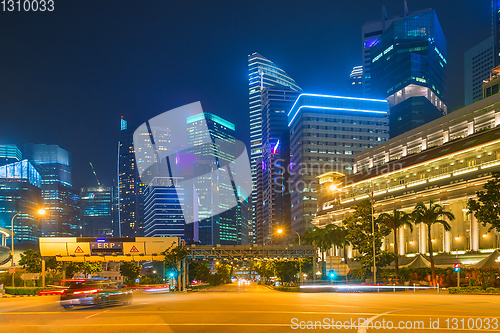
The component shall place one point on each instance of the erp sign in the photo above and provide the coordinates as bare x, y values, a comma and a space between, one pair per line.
106, 246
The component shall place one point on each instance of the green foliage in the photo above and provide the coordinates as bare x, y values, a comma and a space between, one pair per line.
130, 270
359, 234
434, 214
473, 290
287, 271
24, 290
85, 267
199, 271
486, 208
225, 271
31, 261
287, 289
151, 278
265, 268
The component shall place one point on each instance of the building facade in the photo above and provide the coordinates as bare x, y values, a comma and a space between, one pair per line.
325, 134
446, 160
20, 194
477, 64
262, 73
163, 214
9, 153
98, 213
130, 187
408, 68
60, 200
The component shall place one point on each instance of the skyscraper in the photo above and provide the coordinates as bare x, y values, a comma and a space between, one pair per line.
60, 200
163, 215
97, 211
261, 73
130, 187
478, 61
20, 193
325, 134
276, 102
408, 68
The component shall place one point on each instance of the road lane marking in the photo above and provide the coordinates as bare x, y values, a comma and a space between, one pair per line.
95, 314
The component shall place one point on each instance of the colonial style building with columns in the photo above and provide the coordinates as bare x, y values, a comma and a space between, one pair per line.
446, 160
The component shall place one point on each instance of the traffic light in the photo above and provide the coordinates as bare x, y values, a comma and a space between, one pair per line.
331, 274
456, 268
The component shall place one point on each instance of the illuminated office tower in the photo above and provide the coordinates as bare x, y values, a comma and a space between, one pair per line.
276, 103
130, 196
60, 200
97, 211
356, 82
9, 154
325, 134
408, 68
20, 193
261, 73
478, 62
163, 201
207, 161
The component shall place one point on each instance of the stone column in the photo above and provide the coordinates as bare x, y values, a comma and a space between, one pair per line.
422, 238
383, 244
401, 241
474, 233
447, 242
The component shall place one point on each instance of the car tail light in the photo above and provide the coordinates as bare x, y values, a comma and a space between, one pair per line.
87, 292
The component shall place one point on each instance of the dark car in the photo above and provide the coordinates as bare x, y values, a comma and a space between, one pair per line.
100, 293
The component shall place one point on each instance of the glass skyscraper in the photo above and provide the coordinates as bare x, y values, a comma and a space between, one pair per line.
276, 102
408, 68
325, 134
97, 211
130, 189
59, 199
9, 154
20, 193
262, 73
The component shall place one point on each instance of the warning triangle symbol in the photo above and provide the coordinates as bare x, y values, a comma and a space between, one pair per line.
134, 249
78, 250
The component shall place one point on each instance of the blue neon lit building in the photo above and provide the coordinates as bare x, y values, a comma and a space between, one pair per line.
262, 73
9, 153
20, 193
325, 134
97, 211
276, 102
60, 200
408, 68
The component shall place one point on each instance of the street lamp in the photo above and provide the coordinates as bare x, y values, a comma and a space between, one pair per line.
40, 212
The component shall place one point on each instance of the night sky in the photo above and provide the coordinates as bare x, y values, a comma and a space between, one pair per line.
67, 76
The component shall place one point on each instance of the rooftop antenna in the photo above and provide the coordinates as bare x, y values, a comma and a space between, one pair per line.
93, 170
406, 9
384, 17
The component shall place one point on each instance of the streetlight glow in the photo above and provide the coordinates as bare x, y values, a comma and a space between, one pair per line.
41, 211
280, 231
333, 187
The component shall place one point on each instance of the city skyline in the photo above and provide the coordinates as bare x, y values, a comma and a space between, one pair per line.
47, 104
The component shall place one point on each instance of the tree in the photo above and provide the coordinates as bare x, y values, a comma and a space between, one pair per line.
287, 270
429, 216
322, 238
31, 261
486, 208
173, 259
130, 270
360, 235
200, 271
395, 221
338, 237
225, 271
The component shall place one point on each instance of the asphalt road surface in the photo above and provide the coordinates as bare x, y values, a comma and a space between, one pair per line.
254, 308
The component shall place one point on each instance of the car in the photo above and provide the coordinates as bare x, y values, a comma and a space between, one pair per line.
91, 292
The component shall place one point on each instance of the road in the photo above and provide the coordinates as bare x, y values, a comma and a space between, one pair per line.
254, 308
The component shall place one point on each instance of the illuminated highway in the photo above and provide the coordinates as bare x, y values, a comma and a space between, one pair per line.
252, 308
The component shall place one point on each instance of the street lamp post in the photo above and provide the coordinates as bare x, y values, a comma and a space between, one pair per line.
12, 245
280, 231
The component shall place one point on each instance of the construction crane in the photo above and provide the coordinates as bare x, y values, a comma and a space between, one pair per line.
93, 170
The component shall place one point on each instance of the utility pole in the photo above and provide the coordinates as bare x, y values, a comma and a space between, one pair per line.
373, 236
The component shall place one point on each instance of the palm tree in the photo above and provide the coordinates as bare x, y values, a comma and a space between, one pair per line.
337, 235
322, 239
395, 221
429, 216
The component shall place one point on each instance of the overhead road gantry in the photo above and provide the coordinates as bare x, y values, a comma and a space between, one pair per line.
249, 252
